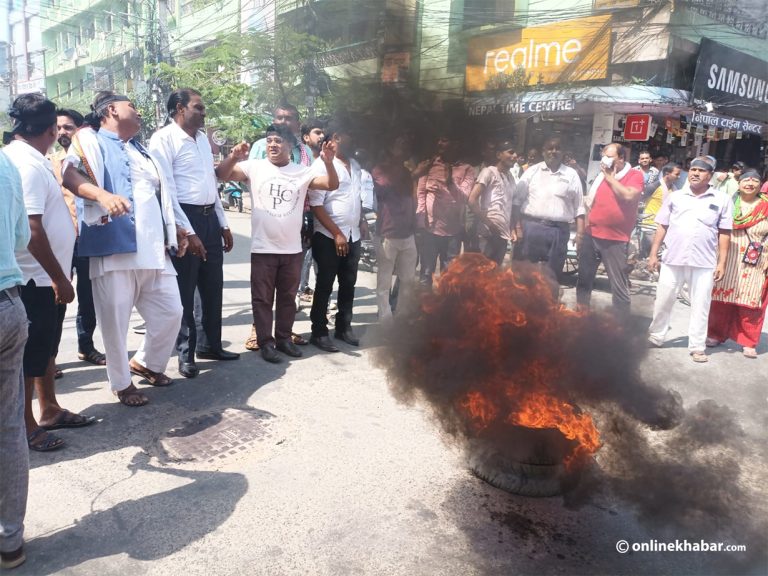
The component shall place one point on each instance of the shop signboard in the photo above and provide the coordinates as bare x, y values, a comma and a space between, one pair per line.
731, 79
485, 107
572, 50
729, 122
637, 127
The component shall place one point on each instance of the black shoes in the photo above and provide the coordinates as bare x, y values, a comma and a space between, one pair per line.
269, 353
217, 355
347, 336
324, 343
288, 348
188, 369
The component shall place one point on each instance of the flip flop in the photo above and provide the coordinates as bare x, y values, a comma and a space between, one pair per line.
749, 352
131, 397
94, 357
58, 374
252, 343
153, 378
49, 443
67, 419
699, 357
298, 339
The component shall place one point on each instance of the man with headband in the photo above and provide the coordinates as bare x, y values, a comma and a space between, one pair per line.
695, 225
45, 265
128, 230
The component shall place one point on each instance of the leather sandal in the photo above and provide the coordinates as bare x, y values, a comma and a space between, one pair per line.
153, 378
131, 397
252, 343
47, 443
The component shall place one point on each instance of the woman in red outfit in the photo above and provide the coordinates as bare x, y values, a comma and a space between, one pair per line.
739, 299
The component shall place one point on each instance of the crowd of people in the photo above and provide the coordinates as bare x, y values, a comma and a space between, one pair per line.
144, 228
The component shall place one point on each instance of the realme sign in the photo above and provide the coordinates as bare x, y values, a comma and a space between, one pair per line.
573, 50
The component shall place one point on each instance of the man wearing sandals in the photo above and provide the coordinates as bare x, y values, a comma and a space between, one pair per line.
45, 264
129, 228
695, 225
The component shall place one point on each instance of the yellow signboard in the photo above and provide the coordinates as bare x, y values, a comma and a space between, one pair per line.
568, 51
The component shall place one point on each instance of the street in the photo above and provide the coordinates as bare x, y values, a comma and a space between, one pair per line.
312, 467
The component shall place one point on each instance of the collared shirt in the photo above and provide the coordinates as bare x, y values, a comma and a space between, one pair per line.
547, 195
693, 222
188, 165
73, 202
366, 187
343, 205
300, 153
496, 201
396, 206
441, 207
14, 224
42, 196
611, 217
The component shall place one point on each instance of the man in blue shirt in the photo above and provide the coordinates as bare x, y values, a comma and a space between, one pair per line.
14, 455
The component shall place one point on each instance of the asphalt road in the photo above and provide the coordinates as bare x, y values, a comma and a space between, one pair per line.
312, 467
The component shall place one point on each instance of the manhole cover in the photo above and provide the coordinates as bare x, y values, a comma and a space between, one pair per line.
216, 436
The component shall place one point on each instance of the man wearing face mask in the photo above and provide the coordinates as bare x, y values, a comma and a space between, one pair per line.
184, 153
611, 210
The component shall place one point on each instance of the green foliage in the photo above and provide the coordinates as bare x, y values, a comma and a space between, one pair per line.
277, 66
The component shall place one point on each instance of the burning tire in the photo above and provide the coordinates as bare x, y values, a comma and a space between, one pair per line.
528, 462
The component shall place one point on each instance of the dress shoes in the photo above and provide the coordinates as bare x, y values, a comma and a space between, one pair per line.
269, 353
288, 348
188, 369
217, 355
324, 343
347, 336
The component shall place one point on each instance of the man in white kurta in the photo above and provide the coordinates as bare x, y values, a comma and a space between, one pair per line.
145, 277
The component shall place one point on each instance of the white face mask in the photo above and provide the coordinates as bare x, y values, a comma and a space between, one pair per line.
606, 161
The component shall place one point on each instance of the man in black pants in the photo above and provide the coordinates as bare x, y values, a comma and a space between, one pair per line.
336, 244
183, 149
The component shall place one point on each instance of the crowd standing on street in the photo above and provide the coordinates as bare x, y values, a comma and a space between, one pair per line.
144, 228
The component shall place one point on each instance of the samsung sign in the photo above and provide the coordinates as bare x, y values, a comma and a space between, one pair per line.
730, 79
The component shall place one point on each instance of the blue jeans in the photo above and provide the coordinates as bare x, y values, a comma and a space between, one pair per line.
14, 454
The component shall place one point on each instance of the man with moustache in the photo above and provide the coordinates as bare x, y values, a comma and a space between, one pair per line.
45, 264
547, 200
695, 225
129, 230
185, 155
313, 135
67, 123
611, 209
279, 188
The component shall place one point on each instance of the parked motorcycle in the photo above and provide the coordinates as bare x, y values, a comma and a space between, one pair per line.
233, 196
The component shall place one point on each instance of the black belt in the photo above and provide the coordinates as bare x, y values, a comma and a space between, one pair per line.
546, 222
9, 293
203, 209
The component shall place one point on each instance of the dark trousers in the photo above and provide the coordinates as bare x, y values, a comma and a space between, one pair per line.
432, 247
546, 243
613, 253
208, 278
86, 314
331, 266
494, 247
274, 280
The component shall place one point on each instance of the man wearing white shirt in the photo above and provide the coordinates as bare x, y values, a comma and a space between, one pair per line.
183, 150
278, 191
45, 266
129, 210
336, 244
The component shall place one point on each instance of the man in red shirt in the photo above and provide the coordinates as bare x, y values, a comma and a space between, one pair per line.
611, 207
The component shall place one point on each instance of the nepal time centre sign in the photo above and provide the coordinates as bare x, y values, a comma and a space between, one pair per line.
571, 50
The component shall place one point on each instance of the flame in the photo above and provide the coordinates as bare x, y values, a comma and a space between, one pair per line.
503, 320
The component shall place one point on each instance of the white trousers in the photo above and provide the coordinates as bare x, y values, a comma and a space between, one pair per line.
156, 297
396, 256
671, 280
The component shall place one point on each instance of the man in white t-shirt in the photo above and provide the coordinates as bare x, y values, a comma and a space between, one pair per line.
45, 265
491, 201
278, 190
